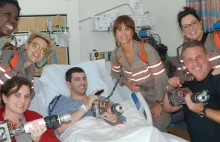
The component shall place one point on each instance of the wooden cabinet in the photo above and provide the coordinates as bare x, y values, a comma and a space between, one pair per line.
39, 23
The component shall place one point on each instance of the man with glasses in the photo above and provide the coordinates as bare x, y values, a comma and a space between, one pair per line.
203, 120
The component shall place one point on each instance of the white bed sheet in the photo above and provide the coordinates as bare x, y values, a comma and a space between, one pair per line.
90, 129
136, 129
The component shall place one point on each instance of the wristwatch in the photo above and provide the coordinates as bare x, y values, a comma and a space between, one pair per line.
202, 113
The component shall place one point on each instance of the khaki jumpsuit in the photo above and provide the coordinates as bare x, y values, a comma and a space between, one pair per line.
19, 69
148, 74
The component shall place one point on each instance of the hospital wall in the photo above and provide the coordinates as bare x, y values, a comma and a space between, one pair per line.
164, 12
83, 40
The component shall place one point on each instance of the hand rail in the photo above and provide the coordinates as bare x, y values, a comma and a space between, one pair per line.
145, 106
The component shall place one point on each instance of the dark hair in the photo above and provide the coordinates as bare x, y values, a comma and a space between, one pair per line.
192, 43
129, 22
7, 87
186, 11
14, 2
71, 71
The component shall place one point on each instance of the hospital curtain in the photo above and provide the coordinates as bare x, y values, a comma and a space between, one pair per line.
208, 11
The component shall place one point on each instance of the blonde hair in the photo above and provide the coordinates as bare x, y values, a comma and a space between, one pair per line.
48, 40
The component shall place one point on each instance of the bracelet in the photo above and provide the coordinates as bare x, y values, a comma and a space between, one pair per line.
84, 108
113, 121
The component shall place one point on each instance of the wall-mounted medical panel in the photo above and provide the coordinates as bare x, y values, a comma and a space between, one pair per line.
142, 21
104, 24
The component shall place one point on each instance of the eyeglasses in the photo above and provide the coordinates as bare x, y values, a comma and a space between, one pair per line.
37, 46
187, 26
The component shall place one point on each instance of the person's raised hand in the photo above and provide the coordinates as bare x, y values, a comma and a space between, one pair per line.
90, 99
109, 116
36, 131
195, 107
175, 82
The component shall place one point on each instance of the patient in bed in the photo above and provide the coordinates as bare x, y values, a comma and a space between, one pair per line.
78, 104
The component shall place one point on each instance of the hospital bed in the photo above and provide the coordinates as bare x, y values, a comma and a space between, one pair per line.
139, 125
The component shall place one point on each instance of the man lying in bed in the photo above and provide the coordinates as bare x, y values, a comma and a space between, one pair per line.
78, 104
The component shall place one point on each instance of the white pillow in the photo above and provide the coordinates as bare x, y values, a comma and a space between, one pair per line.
53, 76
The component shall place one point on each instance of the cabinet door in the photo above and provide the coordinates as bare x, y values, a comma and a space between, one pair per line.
39, 23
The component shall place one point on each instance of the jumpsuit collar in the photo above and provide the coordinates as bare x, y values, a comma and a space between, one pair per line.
136, 59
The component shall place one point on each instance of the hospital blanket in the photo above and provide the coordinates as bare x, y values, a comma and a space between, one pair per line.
90, 129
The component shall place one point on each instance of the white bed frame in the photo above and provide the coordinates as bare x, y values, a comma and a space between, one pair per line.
144, 108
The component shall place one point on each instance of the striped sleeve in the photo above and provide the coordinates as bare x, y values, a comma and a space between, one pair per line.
116, 68
157, 70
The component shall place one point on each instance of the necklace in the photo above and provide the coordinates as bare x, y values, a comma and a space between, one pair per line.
40, 66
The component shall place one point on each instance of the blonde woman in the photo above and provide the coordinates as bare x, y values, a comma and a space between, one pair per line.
21, 62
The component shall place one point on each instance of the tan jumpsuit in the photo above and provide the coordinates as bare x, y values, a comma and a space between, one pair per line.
19, 69
147, 74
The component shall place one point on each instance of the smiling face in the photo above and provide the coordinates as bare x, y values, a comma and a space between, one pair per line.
37, 49
18, 102
194, 30
8, 19
124, 34
78, 84
197, 62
